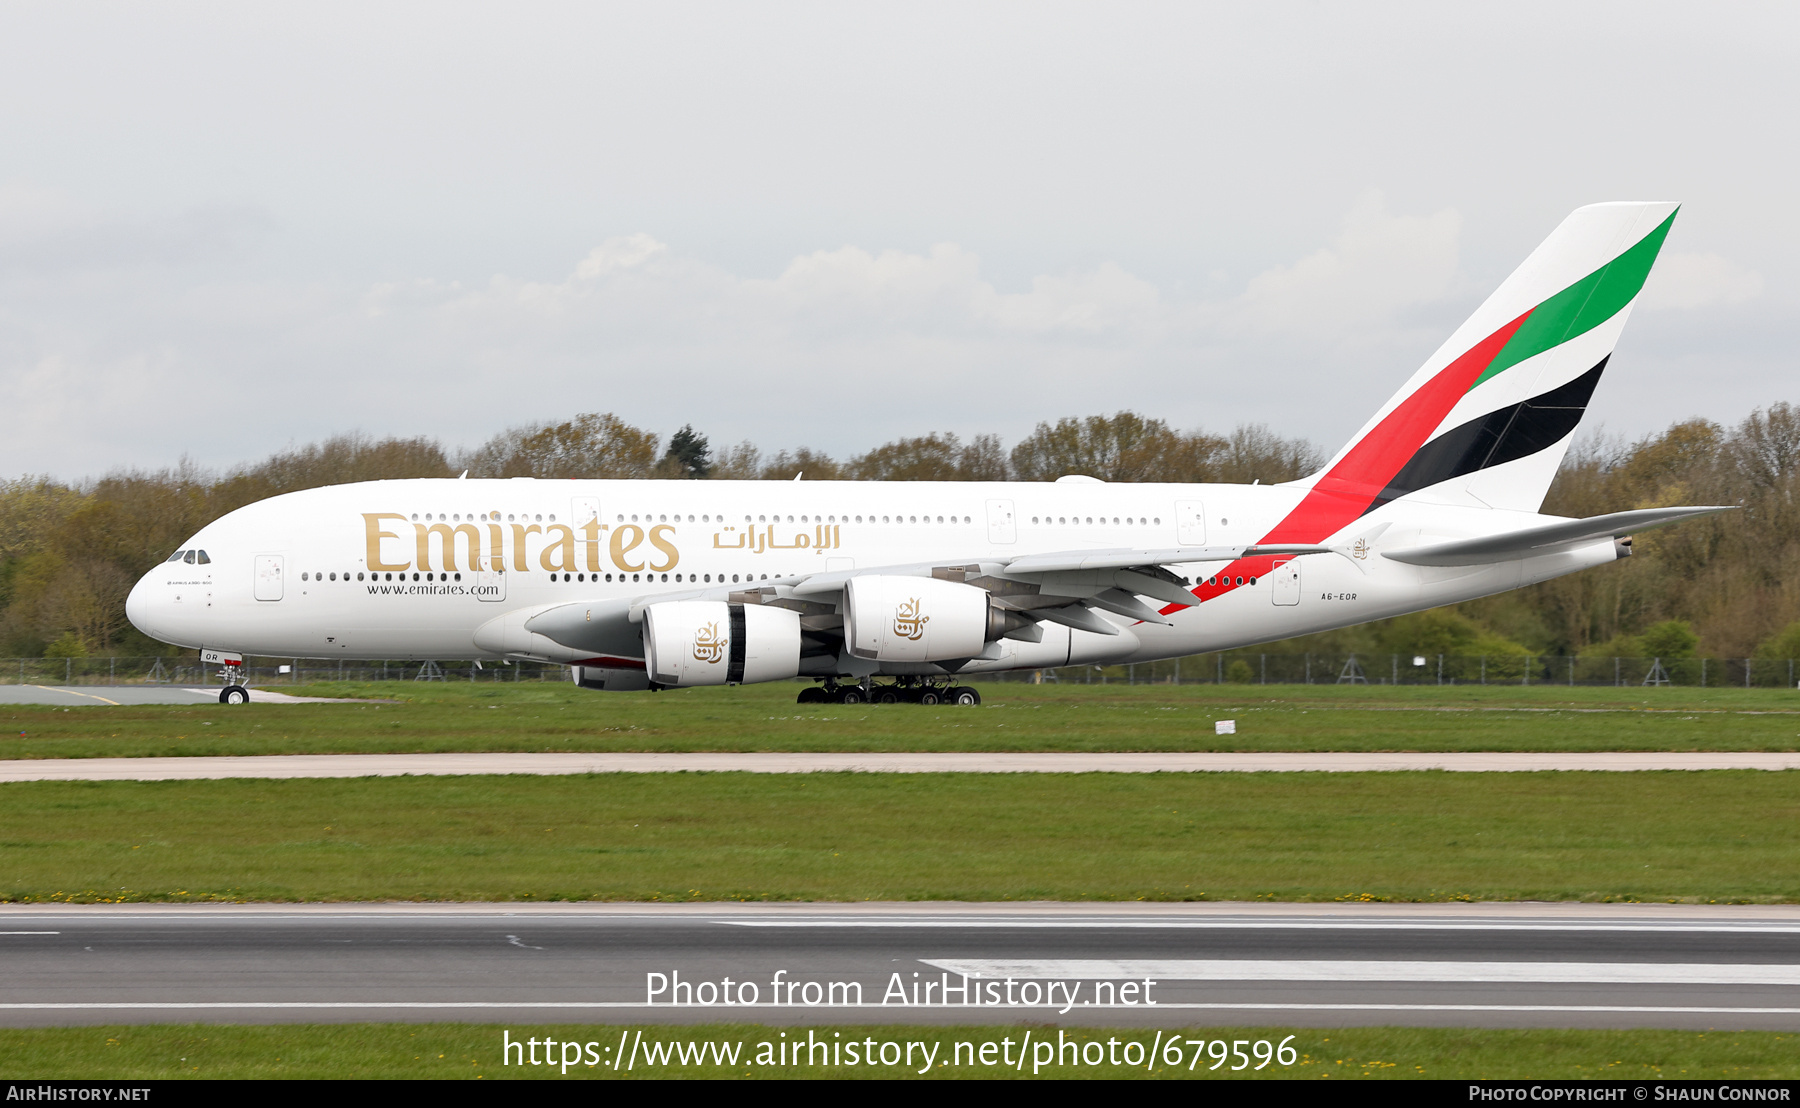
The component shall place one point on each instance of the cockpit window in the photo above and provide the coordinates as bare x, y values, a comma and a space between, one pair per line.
177, 556
189, 557
202, 558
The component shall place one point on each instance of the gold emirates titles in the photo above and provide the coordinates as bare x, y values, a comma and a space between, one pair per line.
566, 549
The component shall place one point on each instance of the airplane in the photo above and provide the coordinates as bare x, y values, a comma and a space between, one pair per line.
638, 584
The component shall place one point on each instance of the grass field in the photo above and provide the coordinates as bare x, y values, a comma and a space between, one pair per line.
1711, 836
464, 1051
552, 716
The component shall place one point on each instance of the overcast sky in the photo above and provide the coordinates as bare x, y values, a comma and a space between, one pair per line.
226, 228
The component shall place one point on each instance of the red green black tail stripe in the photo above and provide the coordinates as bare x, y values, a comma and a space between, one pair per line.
1394, 457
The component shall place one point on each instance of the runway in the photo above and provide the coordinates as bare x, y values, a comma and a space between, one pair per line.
1160, 965
395, 765
95, 696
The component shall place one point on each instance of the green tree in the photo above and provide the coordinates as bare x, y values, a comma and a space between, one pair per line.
68, 645
688, 454
1783, 644
1672, 638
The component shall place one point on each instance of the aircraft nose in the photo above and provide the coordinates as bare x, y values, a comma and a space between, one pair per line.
142, 605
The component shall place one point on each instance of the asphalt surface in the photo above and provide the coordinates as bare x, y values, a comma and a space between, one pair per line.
1169, 965
393, 765
90, 696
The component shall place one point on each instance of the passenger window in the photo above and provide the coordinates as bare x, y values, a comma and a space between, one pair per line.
303, 577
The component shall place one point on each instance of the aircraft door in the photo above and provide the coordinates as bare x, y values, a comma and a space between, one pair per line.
1190, 523
268, 577
1003, 527
583, 510
1284, 582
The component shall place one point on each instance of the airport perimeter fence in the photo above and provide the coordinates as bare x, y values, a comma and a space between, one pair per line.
174, 670
1231, 667
1254, 668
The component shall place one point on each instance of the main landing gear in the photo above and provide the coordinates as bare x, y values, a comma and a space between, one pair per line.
905, 691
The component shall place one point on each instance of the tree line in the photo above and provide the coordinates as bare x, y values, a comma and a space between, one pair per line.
1728, 586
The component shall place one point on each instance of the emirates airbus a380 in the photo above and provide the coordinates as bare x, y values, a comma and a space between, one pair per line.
657, 584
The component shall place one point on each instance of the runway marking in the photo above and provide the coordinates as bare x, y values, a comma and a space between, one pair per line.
366, 1005
1277, 925
72, 692
1322, 970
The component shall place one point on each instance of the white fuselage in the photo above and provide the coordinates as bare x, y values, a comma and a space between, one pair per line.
415, 569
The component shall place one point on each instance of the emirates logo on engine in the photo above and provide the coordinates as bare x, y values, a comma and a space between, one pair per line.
908, 623
709, 647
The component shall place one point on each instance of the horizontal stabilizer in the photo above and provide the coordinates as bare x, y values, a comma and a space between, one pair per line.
1068, 560
1547, 539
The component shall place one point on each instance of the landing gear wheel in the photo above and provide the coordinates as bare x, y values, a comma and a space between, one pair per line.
234, 694
931, 698
814, 695
888, 695
964, 697
852, 696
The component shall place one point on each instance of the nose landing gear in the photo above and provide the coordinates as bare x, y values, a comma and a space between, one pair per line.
231, 671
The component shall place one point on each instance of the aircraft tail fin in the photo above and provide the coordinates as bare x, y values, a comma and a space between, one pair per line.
1487, 419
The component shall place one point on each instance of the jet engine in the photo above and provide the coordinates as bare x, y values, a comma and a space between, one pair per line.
919, 619
710, 642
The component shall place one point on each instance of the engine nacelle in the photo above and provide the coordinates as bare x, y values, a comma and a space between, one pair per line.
710, 642
918, 619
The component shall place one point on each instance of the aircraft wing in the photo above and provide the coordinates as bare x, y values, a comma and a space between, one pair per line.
1126, 558
1547, 539
1062, 587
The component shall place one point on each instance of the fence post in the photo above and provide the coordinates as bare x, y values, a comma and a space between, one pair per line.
112, 671
1440, 669
1703, 673
1484, 669
68, 671
1219, 670
1616, 682
1265, 668
1394, 664
1309, 667
1527, 679
1178, 671
1571, 671
1746, 673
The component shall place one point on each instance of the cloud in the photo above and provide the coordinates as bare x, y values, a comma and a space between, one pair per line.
1682, 280
139, 364
1379, 266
